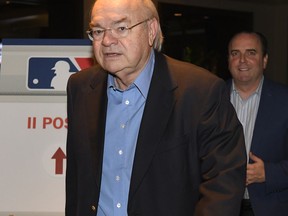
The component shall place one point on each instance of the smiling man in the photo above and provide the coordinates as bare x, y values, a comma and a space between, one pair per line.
262, 108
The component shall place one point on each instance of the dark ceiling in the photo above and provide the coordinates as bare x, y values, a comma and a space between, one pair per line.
23, 18
10, 9
41, 18
271, 2
38, 18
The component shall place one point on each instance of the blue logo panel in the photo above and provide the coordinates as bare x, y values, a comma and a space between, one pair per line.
50, 73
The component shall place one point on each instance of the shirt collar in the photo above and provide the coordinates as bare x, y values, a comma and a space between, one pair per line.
141, 81
258, 90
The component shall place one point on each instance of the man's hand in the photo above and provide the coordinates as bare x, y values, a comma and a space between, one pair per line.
255, 171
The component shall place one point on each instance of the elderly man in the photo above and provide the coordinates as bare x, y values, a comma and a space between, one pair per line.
148, 135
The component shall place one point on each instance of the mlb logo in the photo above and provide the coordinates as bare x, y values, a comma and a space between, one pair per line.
52, 73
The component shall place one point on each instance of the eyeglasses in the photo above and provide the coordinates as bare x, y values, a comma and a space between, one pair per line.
97, 34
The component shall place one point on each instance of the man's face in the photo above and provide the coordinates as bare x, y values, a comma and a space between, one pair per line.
246, 60
124, 55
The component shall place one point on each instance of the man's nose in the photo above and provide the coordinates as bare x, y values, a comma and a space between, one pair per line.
108, 37
243, 57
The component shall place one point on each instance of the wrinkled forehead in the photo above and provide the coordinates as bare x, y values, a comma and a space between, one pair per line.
107, 11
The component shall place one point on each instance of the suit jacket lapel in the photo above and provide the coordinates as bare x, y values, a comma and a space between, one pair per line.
264, 111
96, 106
157, 110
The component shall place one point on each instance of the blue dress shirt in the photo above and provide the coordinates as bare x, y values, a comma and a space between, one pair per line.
124, 114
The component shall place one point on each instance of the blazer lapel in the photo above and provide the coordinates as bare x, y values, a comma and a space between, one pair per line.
157, 110
263, 115
96, 106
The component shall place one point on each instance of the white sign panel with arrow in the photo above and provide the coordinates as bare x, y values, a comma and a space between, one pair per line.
33, 123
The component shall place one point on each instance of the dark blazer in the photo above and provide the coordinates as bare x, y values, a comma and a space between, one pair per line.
190, 156
270, 143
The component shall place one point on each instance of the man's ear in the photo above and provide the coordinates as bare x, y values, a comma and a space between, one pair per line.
265, 61
153, 26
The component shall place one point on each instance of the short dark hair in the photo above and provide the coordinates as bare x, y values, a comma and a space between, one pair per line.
261, 37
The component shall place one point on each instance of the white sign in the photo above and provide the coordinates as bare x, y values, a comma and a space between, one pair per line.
33, 123
33, 160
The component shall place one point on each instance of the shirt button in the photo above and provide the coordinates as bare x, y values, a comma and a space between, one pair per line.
117, 178
120, 152
122, 126
127, 102
118, 205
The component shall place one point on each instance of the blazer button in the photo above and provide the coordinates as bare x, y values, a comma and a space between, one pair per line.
93, 208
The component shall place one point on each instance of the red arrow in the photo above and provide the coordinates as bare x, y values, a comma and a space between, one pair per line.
59, 156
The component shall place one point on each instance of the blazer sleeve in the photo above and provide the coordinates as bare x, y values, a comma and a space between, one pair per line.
276, 176
222, 155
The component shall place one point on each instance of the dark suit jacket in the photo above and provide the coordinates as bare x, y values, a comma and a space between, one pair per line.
190, 155
270, 143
